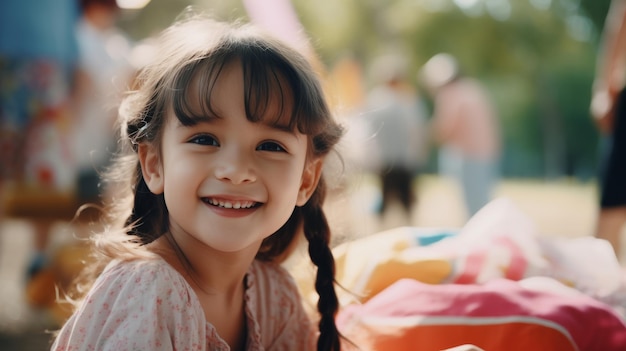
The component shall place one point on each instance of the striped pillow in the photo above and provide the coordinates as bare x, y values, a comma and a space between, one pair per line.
499, 315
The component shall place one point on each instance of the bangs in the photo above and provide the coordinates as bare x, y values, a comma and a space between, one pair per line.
274, 92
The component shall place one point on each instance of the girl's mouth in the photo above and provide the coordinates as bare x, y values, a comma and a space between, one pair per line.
231, 204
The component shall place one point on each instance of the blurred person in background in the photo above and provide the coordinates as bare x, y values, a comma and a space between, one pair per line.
396, 120
608, 108
38, 56
466, 127
105, 73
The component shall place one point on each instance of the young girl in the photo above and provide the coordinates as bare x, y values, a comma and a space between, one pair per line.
227, 134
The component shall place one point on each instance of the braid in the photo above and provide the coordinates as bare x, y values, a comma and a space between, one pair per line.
148, 220
317, 232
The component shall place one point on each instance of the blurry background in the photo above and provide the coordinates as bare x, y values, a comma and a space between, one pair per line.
535, 57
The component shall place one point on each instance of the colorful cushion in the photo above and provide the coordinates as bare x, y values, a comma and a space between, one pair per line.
499, 315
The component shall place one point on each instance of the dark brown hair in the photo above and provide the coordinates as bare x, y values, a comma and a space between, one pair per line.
199, 48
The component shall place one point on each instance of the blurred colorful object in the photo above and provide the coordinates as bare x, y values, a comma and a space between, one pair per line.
279, 18
499, 315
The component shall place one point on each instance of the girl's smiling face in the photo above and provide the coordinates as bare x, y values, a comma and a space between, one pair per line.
229, 183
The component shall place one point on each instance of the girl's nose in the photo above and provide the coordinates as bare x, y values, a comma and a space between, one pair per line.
235, 166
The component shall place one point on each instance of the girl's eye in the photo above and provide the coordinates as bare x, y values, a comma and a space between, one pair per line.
270, 146
204, 140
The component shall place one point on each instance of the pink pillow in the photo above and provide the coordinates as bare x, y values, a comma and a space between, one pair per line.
498, 315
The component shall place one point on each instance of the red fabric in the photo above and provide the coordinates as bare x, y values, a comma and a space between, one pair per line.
499, 315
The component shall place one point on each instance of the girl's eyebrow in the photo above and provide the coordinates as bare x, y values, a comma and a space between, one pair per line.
192, 122
203, 119
279, 127
285, 130
189, 121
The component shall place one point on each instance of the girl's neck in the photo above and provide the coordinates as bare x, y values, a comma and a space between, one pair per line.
209, 272
219, 284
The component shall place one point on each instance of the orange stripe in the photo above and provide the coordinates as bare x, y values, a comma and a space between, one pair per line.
500, 337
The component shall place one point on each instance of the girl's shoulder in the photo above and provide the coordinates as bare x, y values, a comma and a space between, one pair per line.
143, 278
140, 304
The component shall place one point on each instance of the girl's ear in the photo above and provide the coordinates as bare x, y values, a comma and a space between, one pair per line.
151, 168
310, 178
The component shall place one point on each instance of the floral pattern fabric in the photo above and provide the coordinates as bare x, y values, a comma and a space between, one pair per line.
147, 305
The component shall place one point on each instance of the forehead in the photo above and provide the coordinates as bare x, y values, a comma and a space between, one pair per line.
264, 96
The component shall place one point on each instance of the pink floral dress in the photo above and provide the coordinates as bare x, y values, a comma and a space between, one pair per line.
147, 305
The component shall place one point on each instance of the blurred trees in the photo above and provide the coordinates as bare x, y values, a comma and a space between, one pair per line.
158, 14
536, 56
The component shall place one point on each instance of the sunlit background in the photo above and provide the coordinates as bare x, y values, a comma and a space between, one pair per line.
536, 58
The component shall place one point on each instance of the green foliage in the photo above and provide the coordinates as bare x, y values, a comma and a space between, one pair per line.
538, 64
159, 14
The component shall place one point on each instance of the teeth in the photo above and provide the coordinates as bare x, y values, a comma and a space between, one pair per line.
229, 204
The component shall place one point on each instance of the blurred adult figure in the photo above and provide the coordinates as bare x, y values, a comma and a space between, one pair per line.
608, 108
396, 118
105, 73
466, 127
38, 55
